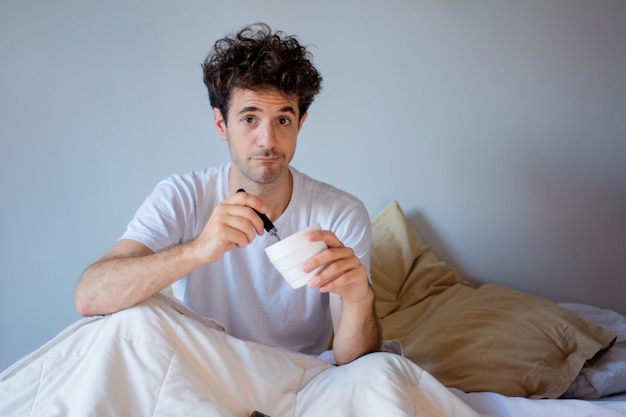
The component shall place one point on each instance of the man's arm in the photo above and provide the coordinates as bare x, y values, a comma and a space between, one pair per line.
357, 329
130, 272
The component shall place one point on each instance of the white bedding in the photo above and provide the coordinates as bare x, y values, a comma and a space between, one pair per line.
152, 360
606, 375
160, 359
489, 404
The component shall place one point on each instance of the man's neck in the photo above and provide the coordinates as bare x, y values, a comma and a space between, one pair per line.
275, 196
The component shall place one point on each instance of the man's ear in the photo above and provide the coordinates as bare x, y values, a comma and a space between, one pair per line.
220, 123
301, 122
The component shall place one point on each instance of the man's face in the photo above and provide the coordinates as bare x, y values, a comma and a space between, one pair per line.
261, 133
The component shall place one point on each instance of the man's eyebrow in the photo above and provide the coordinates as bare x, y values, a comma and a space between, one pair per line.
248, 109
286, 109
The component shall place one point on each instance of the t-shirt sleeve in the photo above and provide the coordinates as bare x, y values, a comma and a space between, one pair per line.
354, 231
159, 223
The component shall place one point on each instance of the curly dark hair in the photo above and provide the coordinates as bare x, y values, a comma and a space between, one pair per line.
255, 59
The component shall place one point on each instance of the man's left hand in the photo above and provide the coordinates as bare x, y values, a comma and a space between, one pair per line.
342, 271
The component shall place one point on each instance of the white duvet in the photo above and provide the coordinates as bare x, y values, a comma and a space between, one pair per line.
159, 359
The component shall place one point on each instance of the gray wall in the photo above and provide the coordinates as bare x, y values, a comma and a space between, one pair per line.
499, 126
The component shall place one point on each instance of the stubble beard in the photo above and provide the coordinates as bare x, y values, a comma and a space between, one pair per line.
262, 175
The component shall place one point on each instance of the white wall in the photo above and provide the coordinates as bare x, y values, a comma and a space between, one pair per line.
499, 126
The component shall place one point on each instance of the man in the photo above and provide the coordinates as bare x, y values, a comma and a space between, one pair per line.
197, 234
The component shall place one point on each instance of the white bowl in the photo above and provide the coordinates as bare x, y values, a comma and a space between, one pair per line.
290, 254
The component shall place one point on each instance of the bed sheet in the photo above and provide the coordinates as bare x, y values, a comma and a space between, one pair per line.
489, 404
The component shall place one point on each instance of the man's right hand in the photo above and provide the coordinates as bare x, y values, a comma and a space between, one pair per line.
233, 223
130, 272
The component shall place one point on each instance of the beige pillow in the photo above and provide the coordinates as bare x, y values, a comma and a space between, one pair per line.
491, 338
404, 270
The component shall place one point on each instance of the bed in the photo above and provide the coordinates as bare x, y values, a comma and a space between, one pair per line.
453, 349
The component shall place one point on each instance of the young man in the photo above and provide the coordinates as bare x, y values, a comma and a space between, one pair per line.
197, 234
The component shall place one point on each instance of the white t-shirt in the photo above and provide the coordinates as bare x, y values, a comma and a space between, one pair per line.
243, 290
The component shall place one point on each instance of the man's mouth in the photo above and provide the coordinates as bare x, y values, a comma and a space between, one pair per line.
266, 159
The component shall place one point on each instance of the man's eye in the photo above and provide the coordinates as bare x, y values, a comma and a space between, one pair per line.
284, 121
248, 120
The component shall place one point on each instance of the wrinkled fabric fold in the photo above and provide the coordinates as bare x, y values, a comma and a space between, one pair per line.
156, 360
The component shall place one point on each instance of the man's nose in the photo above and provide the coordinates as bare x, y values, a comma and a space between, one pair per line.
267, 136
